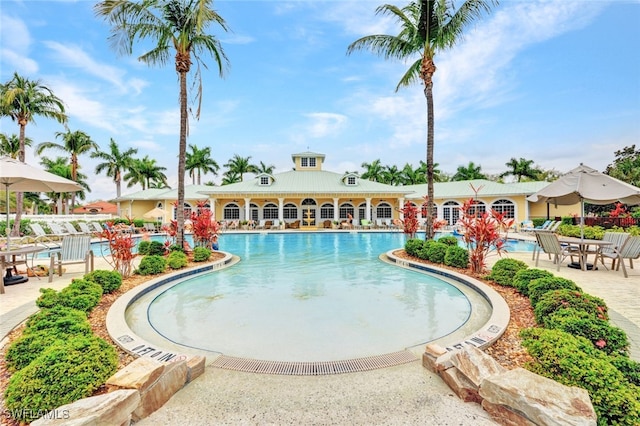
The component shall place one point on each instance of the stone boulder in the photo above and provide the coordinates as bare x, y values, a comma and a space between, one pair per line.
139, 374
173, 378
535, 399
476, 365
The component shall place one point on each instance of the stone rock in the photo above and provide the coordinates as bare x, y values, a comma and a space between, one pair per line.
540, 400
435, 350
504, 416
475, 364
139, 374
460, 385
113, 408
171, 381
439, 364
195, 367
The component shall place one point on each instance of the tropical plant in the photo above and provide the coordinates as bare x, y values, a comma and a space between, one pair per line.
391, 175
239, 166
204, 225
230, 178
61, 167
145, 172
521, 168
199, 162
411, 176
409, 219
121, 246
468, 172
75, 143
114, 163
426, 27
10, 145
172, 26
374, 171
22, 100
264, 168
626, 166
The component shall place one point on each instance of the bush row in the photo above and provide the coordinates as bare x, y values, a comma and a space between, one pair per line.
444, 251
57, 359
154, 262
576, 344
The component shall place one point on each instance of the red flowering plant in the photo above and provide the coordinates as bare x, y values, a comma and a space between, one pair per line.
171, 230
619, 211
481, 232
409, 221
121, 245
204, 225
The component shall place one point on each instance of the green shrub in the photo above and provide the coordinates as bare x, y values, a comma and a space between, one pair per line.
457, 257
143, 247
67, 319
110, 281
175, 247
152, 265
63, 373
539, 286
423, 253
177, 260
413, 246
524, 276
449, 240
201, 254
601, 333
436, 252
138, 223
156, 248
573, 361
81, 294
628, 367
504, 270
554, 300
48, 298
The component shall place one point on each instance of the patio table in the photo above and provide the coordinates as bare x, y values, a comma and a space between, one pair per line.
9, 259
584, 246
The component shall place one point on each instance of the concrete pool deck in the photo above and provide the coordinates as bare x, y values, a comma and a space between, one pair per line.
404, 394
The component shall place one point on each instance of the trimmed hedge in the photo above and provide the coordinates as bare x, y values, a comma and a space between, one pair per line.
457, 257
143, 247
152, 265
201, 254
177, 260
80, 294
436, 252
540, 286
110, 281
413, 246
524, 276
156, 248
504, 270
554, 300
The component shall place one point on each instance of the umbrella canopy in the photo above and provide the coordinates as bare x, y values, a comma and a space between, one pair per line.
586, 184
155, 213
21, 177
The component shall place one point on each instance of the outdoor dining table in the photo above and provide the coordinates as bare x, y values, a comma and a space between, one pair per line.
584, 246
9, 259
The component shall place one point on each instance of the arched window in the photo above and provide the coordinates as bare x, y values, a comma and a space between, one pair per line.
253, 211
362, 211
384, 211
187, 211
477, 208
231, 212
505, 207
345, 210
290, 211
270, 211
451, 212
308, 202
326, 211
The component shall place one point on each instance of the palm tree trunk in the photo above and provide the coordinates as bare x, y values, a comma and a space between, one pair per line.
15, 232
181, 158
427, 70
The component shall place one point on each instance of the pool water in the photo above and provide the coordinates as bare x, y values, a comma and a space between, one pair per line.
306, 297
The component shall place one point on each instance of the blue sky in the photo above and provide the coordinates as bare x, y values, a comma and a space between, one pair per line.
557, 82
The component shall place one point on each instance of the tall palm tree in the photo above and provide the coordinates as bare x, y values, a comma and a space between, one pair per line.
175, 27
145, 172
374, 171
426, 27
199, 162
62, 166
411, 176
230, 177
263, 168
468, 172
75, 143
22, 100
115, 162
391, 175
239, 166
521, 168
10, 145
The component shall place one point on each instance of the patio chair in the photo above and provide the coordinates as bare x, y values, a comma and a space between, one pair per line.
261, 224
84, 228
380, 224
630, 249
617, 239
326, 224
74, 249
57, 229
150, 227
549, 244
96, 226
43, 238
68, 226
365, 223
276, 224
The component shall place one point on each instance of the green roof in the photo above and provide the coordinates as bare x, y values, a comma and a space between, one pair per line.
485, 188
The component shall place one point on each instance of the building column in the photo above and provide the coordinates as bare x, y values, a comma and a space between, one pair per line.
335, 209
247, 208
367, 212
281, 209
212, 208
400, 205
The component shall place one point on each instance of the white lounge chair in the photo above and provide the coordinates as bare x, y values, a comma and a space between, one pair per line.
276, 224
74, 249
549, 244
261, 224
68, 226
57, 229
630, 249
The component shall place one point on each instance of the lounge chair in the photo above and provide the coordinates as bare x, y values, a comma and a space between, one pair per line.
150, 227
43, 238
96, 227
380, 224
365, 223
295, 224
68, 226
57, 229
326, 224
276, 224
630, 249
74, 249
261, 224
549, 244
84, 228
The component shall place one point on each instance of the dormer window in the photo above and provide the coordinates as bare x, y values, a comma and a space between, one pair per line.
352, 180
308, 162
265, 181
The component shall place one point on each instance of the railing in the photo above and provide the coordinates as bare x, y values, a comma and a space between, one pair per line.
610, 222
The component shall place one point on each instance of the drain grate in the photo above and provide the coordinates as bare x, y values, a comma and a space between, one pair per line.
291, 368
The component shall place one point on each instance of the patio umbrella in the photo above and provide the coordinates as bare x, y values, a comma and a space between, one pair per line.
155, 213
586, 184
21, 177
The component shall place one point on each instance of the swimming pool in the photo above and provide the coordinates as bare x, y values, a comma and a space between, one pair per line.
305, 297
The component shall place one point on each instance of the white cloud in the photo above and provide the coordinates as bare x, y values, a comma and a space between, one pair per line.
323, 124
16, 45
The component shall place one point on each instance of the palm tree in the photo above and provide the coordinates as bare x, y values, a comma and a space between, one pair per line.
374, 171
230, 177
427, 26
75, 143
61, 166
521, 168
146, 172
175, 27
263, 168
114, 163
10, 145
199, 161
239, 166
391, 175
469, 172
22, 100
